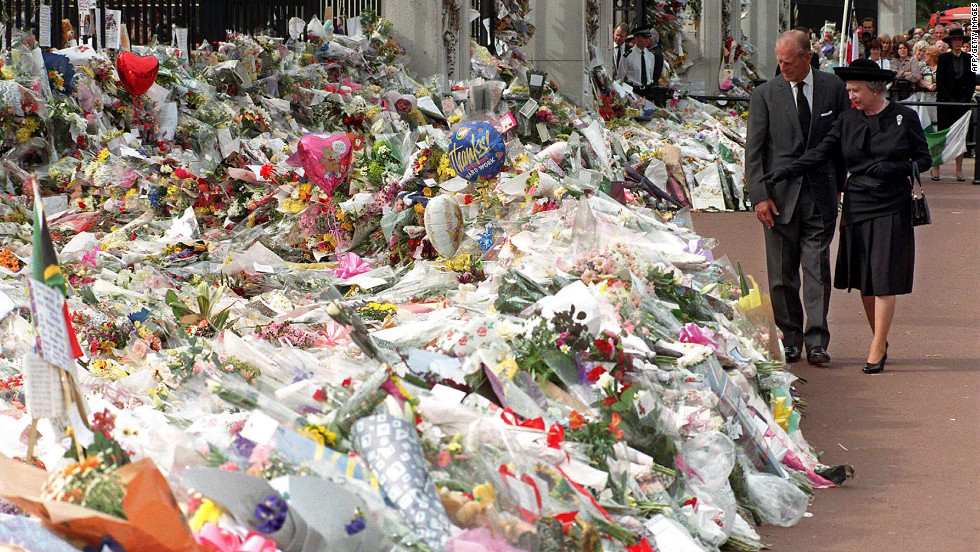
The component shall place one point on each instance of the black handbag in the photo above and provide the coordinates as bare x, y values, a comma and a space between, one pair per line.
920, 207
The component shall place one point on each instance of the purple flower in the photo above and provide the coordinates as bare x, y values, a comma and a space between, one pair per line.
583, 369
244, 446
271, 514
9, 508
357, 524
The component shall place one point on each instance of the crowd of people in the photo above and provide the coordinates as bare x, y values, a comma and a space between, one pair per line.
637, 58
929, 66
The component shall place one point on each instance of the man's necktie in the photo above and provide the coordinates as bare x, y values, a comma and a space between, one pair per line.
803, 107
619, 55
643, 68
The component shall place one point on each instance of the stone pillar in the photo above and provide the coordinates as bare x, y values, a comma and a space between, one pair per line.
433, 34
762, 28
702, 77
895, 16
559, 45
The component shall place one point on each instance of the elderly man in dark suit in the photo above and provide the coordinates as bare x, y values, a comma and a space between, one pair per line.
787, 115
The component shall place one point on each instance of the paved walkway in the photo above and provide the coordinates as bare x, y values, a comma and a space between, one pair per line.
911, 433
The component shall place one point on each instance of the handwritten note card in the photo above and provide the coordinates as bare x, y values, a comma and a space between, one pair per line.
49, 321
42, 385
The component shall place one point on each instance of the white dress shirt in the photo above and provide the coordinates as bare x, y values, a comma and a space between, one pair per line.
629, 71
620, 53
807, 91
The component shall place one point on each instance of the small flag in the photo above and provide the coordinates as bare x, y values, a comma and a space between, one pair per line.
56, 338
855, 46
946, 145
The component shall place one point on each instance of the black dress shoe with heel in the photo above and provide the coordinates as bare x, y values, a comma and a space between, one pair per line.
874, 368
792, 354
817, 355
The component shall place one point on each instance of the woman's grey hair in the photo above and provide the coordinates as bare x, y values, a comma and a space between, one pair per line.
877, 86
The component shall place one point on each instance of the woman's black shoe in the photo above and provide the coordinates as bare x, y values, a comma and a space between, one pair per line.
874, 368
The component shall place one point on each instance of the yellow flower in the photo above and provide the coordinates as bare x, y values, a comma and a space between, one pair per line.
207, 512
103, 155
781, 412
508, 367
320, 434
484, 493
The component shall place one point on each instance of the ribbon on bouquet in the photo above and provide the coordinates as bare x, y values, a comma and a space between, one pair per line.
556, 433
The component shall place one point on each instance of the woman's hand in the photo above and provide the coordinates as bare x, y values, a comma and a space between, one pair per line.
890, 169
776, 175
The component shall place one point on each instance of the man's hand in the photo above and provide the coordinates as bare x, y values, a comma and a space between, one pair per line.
764, 211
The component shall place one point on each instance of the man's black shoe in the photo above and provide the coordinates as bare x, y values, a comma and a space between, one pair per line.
817, 355
792, 354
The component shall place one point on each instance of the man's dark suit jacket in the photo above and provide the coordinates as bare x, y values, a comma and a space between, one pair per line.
775, 139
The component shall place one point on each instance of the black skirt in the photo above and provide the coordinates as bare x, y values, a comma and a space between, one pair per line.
948, 115
877, 256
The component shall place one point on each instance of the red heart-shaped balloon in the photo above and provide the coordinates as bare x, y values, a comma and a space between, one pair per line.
137, 73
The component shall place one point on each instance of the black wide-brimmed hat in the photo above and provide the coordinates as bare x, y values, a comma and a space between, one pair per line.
955, 33
864, 70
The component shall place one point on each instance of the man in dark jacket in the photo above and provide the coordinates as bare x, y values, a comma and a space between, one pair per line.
787, 115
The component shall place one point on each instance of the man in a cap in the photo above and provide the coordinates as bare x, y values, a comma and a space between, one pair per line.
645, 64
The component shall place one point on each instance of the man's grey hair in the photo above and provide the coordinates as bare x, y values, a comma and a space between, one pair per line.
623, 26
795, 37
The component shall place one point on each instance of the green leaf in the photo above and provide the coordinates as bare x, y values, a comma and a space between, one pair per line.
178, 306
741, 281
221, 319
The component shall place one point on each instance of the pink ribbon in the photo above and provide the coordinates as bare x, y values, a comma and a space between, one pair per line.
692, 333
223, 540
353, 85
351, 265
334, 335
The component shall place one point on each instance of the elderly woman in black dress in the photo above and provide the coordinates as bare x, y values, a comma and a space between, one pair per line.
883, 146
955, 82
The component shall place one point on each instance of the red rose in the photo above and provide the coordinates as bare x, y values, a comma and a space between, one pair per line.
594, 373
605, 347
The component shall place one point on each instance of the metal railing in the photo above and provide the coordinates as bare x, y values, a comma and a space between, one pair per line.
975, 107
204, 19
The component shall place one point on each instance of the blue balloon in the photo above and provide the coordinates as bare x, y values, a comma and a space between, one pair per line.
477, 150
